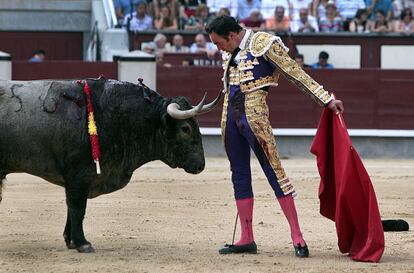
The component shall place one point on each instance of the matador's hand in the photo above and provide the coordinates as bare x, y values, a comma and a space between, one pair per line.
336, 105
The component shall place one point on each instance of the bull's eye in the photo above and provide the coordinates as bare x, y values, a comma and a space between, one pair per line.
186, 129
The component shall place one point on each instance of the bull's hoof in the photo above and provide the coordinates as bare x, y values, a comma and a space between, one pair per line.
88, 248
70, 245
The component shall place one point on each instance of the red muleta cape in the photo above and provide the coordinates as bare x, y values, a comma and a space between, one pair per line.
345, 191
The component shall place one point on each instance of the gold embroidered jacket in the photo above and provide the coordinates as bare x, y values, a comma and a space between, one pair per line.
261, 63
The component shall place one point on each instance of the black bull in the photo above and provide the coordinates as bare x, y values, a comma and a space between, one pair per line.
43, 132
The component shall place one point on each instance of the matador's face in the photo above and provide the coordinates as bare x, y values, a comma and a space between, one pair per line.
229, 44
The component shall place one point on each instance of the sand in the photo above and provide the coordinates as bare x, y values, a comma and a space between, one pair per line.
166, 220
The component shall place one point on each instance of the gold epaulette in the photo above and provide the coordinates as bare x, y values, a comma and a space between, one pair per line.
260, 43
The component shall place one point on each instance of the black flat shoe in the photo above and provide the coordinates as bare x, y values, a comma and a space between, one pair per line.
301, 251
249, 248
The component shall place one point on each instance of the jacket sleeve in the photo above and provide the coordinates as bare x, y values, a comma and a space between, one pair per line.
277, 55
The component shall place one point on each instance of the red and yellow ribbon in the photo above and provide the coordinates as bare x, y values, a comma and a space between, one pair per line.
92, 129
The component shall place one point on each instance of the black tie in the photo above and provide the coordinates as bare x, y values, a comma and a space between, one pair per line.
233, 55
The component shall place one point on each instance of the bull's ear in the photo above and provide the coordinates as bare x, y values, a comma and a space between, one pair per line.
165, 118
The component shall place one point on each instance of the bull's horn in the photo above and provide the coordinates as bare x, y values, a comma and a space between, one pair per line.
173, 109
211, 105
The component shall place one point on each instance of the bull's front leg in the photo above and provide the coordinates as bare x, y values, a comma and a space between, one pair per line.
76, 199
67, 233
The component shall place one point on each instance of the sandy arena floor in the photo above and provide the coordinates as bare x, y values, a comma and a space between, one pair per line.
169, 221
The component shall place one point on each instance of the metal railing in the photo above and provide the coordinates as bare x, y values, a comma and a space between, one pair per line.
110, 13
93, 51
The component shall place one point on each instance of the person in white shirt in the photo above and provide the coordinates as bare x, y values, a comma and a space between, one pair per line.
305, 22
178, 44
202, 46
215, 5
140, 21
267, 9
159, 45
296, 5
348, 8
245, 7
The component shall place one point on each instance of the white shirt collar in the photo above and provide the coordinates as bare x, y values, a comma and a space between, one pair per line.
243, 42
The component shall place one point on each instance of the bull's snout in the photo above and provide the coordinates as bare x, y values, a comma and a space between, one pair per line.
195, 166
200, 168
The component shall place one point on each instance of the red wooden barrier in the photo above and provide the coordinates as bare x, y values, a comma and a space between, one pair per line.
22, 70
197, 59
373, 98
58, 45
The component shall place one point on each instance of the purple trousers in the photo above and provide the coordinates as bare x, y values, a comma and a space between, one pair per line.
245, 125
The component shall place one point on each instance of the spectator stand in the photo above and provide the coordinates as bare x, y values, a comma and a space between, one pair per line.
136, 40
347, 50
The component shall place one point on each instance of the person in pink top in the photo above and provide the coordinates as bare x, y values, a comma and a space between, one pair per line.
406, 24
280, 22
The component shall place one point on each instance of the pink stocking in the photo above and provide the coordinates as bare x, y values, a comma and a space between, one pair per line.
288, 207
245, 210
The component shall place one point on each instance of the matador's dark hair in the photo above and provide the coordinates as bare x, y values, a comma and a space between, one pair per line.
223, 25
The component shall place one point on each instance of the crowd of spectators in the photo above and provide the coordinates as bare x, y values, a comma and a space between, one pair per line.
270, 15
278, 16
160, 45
